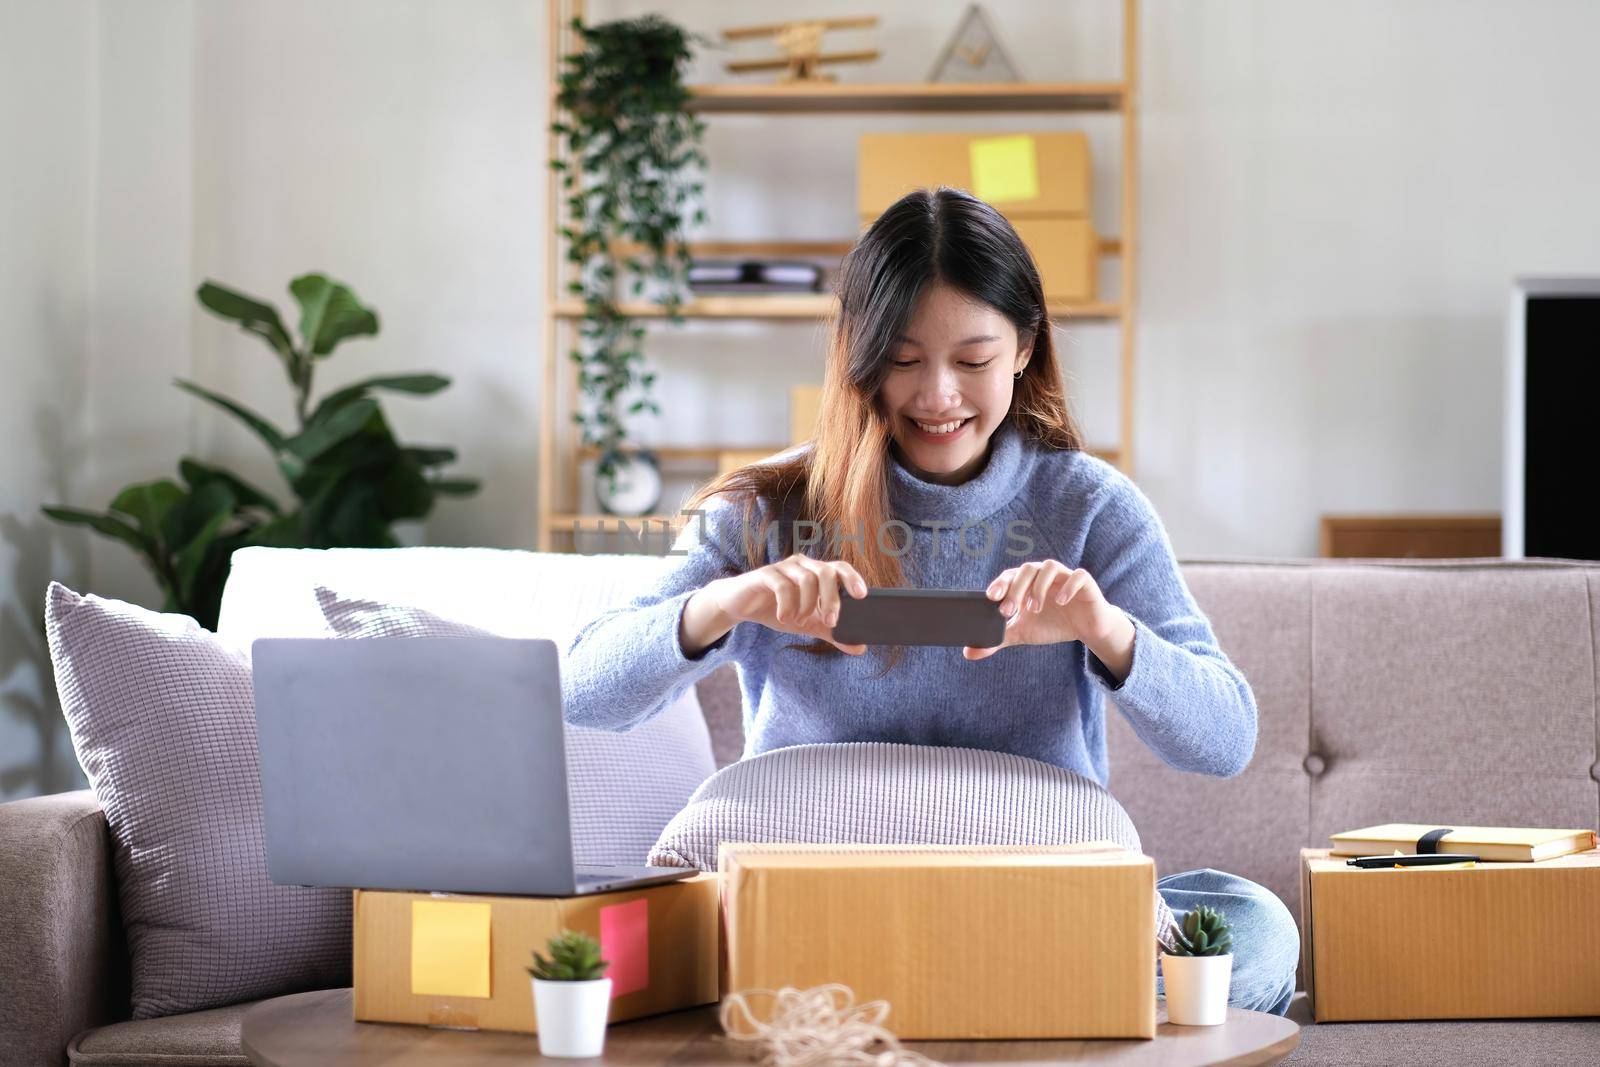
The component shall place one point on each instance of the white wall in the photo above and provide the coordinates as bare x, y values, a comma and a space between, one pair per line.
1335, 197
46, 296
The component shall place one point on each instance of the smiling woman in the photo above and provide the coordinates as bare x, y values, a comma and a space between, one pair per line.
943, 414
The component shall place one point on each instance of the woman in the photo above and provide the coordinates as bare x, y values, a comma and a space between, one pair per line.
945, 457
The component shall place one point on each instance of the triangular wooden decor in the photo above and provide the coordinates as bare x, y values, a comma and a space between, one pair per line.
974, 53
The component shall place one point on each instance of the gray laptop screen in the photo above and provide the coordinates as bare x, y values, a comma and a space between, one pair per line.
429, 763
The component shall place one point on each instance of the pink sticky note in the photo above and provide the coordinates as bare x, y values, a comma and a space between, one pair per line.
625, 941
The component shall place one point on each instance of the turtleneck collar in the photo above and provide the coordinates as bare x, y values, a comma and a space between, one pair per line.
924, 503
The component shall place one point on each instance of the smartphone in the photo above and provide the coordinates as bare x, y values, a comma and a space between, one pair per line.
958, 617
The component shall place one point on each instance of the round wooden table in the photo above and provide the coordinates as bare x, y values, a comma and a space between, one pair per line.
317, 1030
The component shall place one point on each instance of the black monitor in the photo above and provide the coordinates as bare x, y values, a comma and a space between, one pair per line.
1552, 447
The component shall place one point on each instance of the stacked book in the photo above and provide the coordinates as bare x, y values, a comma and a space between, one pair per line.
1496, 844
754, 276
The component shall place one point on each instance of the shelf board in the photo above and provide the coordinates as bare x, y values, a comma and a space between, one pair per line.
844, 97
683, 452
791, 306
780, 249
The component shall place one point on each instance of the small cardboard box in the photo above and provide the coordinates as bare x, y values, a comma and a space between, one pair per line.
1053, 167
459, 960
963, 942
1039, 181
1495, 940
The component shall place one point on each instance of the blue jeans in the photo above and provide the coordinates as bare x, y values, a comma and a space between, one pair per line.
1266, 943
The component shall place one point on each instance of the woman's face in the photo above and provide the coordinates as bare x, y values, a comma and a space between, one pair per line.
949, 384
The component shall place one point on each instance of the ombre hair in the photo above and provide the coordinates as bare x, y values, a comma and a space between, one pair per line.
840, 481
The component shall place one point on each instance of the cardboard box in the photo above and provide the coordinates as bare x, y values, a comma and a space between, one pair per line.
1496, 940
892, 164
459, 960
1039, 181
963, 942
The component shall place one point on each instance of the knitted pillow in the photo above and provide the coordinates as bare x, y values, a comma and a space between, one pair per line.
162, 718
622, 787
880, 793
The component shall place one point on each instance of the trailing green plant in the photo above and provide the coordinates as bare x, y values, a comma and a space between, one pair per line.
350, 478
574, 957
630, 177
1203, 932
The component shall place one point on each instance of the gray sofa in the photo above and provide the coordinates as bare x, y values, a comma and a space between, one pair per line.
1451, 691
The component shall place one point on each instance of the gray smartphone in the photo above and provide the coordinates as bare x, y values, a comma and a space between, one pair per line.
958, 617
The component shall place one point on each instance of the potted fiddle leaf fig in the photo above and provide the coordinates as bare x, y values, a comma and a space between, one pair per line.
353, 484
571, 996
1198, 969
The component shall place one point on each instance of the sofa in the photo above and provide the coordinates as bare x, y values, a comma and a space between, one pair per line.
1461, 690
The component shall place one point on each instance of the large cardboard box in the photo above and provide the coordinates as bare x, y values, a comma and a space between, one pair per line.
1039, 181
963, 942
459, 960
1495, 940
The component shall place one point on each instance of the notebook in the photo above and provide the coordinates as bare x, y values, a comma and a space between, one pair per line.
1500, 843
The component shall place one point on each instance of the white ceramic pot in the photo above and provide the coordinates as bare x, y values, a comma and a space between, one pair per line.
571, 1016
1197, 988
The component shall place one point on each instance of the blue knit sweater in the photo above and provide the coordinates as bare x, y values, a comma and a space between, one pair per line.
1183, 697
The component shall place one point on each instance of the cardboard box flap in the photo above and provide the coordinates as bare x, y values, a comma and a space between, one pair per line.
879, 857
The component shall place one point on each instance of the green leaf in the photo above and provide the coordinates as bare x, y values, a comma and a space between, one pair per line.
252, 315
455, 486
197, 474
148, 503
416, 384
329, 313
263, 429
217, 499
106, 524
346, 421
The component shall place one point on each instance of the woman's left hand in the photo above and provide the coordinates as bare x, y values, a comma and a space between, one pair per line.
1047, 602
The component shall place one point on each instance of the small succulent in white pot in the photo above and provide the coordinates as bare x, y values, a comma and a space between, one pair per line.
571, 996
1199, 968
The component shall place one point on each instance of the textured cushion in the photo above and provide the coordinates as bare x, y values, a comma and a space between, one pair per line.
197, 1039
887, 793
162, 718
623, 786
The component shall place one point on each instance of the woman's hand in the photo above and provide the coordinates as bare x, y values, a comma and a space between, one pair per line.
798, 595
1047, 602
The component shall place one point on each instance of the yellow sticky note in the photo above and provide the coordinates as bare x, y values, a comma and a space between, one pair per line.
449, 948
1004, 168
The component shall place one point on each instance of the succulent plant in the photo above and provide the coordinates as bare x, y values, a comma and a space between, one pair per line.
1203, 932
574, 957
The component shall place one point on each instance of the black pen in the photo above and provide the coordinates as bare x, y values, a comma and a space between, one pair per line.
1427, 859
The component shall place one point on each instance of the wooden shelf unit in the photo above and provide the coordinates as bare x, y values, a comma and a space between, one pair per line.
557, 432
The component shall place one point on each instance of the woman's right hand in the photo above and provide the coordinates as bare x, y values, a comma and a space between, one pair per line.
798, 595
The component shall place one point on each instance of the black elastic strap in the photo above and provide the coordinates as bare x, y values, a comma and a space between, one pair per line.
1428, 843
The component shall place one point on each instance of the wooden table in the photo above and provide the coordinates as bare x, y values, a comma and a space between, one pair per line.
317, 1030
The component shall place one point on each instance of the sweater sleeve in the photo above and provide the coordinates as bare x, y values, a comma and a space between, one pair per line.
627, 664
1184, 698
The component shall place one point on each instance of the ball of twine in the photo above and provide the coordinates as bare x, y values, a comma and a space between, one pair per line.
813, 1027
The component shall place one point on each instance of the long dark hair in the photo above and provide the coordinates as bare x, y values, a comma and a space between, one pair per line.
841, 481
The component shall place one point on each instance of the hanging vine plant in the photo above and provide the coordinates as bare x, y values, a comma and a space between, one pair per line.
631, 176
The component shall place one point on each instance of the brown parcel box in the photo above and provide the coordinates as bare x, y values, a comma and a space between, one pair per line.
1054, 224
1496, 940
963, 942
674, 926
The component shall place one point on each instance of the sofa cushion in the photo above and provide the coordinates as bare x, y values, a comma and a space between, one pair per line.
162, 719
623, 787
879, 792
195, 1039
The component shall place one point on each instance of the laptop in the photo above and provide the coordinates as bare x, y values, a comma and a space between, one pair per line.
434, 764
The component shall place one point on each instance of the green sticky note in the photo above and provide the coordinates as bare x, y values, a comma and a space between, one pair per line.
1004, 168
449, 949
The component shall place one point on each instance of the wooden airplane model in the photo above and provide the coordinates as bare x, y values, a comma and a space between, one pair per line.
802, 43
